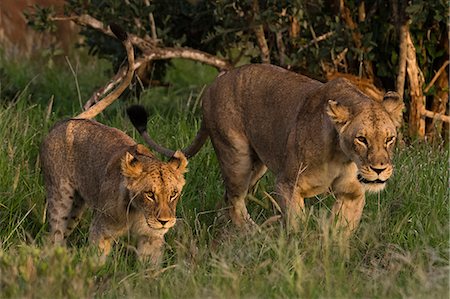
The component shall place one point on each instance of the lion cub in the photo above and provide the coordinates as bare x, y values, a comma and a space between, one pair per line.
87, 164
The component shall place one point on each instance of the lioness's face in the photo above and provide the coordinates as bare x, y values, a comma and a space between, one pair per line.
369, 141
155, 188
367, 134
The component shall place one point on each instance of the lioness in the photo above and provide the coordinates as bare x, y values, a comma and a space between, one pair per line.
86, 163
315, 137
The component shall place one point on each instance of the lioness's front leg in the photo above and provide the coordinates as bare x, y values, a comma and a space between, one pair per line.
349, 205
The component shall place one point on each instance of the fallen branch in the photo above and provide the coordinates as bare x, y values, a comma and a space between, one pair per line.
434, 115
150, 51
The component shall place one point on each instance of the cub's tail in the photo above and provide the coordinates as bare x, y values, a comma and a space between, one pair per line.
110, 98
138, 116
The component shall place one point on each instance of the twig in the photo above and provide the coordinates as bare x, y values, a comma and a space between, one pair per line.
152, 26
317, 40
436, 76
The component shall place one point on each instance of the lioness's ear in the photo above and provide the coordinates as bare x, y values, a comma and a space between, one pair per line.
179, 162
131, 167
339, 114
394, 106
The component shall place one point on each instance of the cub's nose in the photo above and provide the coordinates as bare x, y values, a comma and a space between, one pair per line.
163, 222
377, 169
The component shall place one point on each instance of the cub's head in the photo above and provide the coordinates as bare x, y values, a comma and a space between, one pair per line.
154, 186
367, 133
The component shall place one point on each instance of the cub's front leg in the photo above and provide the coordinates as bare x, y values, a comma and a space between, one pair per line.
150, 249
103, 231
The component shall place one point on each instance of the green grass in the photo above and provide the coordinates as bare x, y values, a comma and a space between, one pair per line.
400, 250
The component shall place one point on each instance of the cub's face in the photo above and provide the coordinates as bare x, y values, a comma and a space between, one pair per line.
367, 135
155, 187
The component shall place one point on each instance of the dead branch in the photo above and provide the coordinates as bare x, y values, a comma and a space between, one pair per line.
149, 48
436, 76
118, 77
125, 82
260, 37
281, 47
416, 81
317, 40
400, 85
434, 115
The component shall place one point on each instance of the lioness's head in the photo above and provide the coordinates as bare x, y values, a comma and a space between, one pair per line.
367, 133
154, 186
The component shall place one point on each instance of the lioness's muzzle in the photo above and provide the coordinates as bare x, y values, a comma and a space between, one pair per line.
366, 181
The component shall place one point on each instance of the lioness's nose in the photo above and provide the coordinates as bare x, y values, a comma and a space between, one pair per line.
163, 221
377, 170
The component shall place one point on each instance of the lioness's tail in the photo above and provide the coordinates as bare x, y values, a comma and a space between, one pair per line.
110, 98
138, 116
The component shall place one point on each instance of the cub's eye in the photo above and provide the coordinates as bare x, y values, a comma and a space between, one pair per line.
173, 195
390, 140
361, 139
149, 196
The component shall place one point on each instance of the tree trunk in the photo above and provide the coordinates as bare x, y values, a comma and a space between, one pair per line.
416, 81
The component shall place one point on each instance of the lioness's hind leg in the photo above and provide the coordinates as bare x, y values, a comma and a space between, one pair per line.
60, 199
234, 155
259, 169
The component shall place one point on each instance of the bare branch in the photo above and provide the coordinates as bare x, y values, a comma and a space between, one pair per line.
416, 81
111, 97
434, 115
260, 37
436, 76
153, 27
400, 86
149, 48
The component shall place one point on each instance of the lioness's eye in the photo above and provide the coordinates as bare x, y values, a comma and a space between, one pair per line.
390, 140
149, 196
362, 139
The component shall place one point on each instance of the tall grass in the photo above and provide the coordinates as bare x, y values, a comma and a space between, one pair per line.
400, 249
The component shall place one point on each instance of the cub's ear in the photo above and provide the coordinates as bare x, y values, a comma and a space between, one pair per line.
179, 162
131, 167
339, 114
394, 106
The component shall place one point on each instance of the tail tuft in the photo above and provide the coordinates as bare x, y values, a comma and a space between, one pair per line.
118, 32
138, 117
